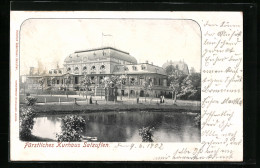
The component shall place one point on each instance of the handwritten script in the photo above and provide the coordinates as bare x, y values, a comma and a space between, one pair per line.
221, 102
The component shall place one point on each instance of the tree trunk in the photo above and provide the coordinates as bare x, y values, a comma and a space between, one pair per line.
129, 92
86, 93
121, 92
106, 95
66, 92
145, 96
174, 96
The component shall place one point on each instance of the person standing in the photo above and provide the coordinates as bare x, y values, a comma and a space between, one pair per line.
90, 99
163, 99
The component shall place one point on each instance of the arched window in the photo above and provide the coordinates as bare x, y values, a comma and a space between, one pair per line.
143, 67
102, 67
50, 72
76, 69
60, 71
68, 69
126, 68
84, 68
93, 68
134, 68
55, 71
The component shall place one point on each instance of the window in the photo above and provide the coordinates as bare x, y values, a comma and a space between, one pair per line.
76, 69
68, 69
143, 67
50, 72
134, 68
102, 67
155, 81
93, 68
55, 71
126, 68
60, 71
76, 80
58, 81
84, 68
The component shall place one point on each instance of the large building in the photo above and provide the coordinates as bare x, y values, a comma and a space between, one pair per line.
104, 62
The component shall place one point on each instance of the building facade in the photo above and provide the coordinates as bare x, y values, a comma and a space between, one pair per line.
98, 64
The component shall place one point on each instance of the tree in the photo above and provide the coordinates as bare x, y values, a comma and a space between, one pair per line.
147, 85
121, 81
52, 82
175, 80
132, 82
41, 82
146, 133
86, 82
191, 87
192, 70
111, 82
72, 127
26, 120
67, 83
170, 69
107, 83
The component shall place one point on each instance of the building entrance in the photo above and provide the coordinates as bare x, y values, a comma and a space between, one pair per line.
141, 93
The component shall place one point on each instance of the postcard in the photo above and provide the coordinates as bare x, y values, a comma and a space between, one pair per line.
126, 86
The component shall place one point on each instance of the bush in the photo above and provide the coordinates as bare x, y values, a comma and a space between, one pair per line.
26, 122
146, 133
30, 101
72, 126
197, 120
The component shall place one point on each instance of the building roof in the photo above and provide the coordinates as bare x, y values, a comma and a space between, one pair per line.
180, 64
143, 68
99, 54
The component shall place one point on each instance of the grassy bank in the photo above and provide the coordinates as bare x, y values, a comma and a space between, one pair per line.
76, 109
54, 98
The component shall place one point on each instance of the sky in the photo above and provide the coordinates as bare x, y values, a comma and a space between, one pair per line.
45, 43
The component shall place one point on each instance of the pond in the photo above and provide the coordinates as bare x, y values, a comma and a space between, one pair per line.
124, 126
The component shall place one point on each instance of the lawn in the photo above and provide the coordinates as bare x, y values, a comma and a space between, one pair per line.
41, 99
71, 108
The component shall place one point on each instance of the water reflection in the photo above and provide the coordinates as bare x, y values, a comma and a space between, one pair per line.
47, 127
124, 126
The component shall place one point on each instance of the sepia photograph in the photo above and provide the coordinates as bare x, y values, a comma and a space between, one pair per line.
110, 80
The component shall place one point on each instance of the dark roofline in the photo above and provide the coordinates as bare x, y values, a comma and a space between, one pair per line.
102, 48
141, 64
